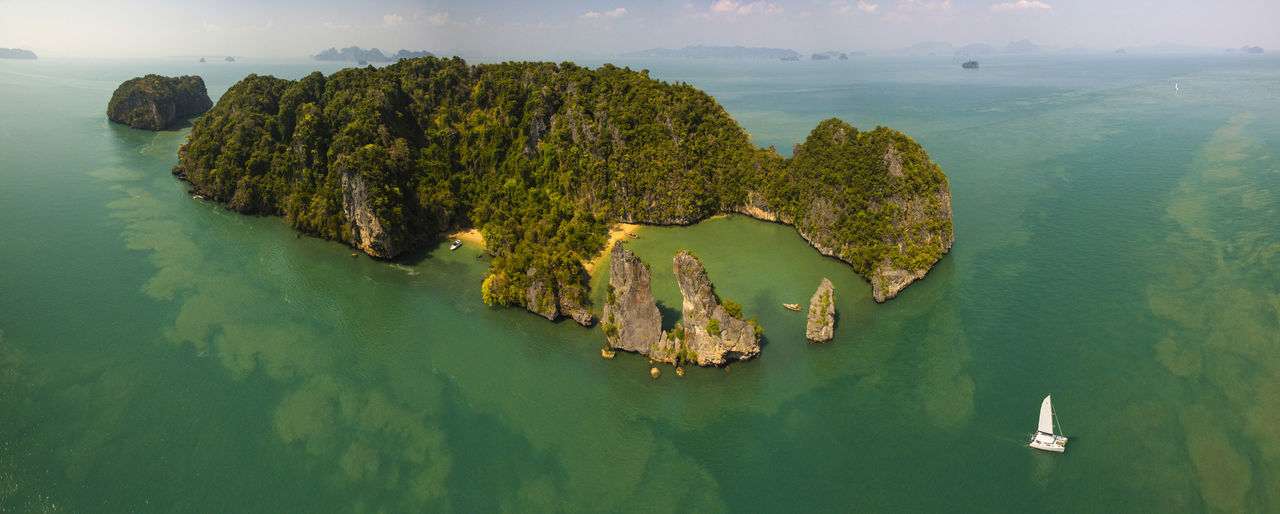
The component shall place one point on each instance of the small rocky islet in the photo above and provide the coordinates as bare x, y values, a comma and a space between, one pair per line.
820, 325
153, 102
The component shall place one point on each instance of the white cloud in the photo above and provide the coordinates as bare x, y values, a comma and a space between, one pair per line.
1020, 4
439, 18
209, 27
735, 7
725, 6
389, 20
842, 7
335, 26
611, 14
943, 5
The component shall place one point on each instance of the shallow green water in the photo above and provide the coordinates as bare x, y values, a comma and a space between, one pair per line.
1117, 245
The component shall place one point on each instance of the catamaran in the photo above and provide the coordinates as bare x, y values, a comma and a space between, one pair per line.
1045, 439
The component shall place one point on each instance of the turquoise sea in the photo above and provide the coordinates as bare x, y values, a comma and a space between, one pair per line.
1117, 245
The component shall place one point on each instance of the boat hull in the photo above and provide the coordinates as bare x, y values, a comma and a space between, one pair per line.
1049, 442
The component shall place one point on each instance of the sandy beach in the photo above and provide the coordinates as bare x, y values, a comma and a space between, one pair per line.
616, 233
469, 237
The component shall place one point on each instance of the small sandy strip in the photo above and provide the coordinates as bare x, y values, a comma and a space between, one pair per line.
616, 233
470, 237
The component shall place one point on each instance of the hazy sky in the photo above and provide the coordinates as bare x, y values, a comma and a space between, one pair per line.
551, 30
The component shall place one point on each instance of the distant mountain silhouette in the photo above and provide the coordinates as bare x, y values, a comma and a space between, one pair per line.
357, 54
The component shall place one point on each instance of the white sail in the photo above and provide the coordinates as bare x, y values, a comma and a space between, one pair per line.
1046, 416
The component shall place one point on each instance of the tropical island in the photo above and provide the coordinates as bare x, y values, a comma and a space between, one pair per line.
16, 53
543, 159
357, 54
154, 102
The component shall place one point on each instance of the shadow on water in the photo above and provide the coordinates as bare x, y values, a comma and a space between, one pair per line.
670, 315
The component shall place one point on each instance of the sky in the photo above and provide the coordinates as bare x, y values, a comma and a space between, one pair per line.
601, 28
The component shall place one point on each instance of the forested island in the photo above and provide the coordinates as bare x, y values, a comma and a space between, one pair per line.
357, 54
543, 158
16, 53
154, 102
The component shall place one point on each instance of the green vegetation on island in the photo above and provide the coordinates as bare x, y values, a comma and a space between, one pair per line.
154, 102
542, 158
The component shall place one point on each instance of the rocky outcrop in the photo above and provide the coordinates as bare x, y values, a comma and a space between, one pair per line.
631, 319
711, 337
822, 313
154, 102
367, 232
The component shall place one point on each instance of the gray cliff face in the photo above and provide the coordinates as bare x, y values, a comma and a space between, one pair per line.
822, 313
540, 299
631, 319
571, 308
712, 336
367, 232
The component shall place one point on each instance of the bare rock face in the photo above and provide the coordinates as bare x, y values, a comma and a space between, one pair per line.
571, 308
822, 313
631, 319
711, 336
540, 299
367, 232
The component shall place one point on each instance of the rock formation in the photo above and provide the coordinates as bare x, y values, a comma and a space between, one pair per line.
367, 232
711, 336
154, 102
822, 313
707, 335
631, 319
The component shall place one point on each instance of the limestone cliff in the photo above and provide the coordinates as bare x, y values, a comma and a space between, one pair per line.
712, 337
631, 319
821, 325
154, 102
367, 232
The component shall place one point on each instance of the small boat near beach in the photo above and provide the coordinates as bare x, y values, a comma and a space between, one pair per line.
632, 235
1046, 439
456, 243
792, 306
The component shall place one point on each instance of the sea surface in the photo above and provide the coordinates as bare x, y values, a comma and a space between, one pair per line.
1117, 246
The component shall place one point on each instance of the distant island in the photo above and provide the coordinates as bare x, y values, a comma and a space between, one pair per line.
154, 102
357, 54
16, 53
718, 52
1251, 49
824, 56
230, 59
543, 158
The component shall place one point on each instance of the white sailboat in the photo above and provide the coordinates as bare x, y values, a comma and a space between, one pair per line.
1045, 439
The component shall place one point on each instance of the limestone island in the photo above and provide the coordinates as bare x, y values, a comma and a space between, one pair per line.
154, 102
362, 56
820, 326
16, 53
543, 159
711, 332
